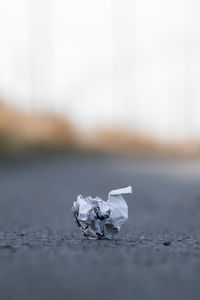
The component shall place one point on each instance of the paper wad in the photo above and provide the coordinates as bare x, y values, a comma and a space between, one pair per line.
99, 219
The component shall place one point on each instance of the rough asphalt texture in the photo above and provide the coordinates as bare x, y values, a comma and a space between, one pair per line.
43, 255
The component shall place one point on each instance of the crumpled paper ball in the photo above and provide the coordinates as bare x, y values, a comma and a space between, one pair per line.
99, 219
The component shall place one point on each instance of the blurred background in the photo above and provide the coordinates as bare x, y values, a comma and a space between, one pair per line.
106, 75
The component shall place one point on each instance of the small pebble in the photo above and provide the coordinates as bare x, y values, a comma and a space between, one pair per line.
166, 243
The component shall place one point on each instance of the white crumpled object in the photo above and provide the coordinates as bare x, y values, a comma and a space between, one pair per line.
100, 219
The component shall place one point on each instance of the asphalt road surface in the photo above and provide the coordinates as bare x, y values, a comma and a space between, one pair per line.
43, 255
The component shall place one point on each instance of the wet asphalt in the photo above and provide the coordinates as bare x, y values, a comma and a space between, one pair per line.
43, 255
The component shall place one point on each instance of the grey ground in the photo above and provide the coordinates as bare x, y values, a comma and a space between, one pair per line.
43, 255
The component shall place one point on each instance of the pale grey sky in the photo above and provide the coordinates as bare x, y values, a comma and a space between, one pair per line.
129, 64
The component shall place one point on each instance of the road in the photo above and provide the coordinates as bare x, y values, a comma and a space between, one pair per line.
43, 255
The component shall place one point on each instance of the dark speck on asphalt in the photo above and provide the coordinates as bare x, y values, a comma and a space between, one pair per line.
167, 243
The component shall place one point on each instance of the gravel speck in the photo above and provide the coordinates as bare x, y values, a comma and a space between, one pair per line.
167, 243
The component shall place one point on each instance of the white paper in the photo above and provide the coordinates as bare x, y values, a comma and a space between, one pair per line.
100, 219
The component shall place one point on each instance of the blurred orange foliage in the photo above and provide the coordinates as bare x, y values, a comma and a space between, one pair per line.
20, 129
